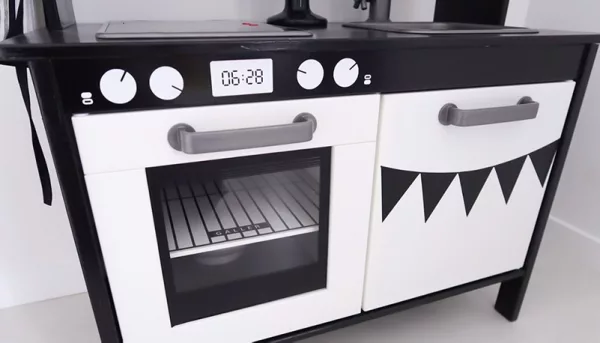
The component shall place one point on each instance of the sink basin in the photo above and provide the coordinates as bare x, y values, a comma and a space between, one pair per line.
430, 28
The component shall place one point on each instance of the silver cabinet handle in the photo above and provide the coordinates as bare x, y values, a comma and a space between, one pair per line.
525, 109
183, 137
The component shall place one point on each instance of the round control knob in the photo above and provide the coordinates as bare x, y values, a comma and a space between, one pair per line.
118, 86
166, 83
345, 72
310, 74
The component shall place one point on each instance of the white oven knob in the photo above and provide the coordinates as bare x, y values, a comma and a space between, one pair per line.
345, 72
310, 74
118, 86
166, 83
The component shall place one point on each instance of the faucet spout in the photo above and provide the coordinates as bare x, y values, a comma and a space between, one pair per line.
379, 11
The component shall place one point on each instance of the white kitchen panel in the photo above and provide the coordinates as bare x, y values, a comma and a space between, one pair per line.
411, 137
132, 140
122, 210
425, 237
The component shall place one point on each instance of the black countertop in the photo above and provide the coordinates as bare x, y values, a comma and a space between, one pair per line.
79, 41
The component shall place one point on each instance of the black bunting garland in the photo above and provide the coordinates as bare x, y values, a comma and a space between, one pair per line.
542, 159
395, 182
472, 183
508, 173
434, 186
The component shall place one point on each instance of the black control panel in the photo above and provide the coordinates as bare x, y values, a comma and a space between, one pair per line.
183, 80
108, 85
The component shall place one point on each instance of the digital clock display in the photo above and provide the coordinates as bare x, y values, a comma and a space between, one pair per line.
240, 77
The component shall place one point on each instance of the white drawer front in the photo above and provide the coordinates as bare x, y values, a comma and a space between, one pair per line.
411, 137
456, 204
123, 141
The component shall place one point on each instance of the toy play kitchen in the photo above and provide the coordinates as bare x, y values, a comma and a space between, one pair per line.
241, 182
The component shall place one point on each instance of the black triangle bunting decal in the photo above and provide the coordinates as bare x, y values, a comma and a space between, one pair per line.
394, 183
435, 186
471, 183
508, 173
542, 159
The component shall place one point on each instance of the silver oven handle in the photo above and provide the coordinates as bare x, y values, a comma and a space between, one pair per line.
183, 137
525, 109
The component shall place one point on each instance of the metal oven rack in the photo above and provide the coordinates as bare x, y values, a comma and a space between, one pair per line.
219, 214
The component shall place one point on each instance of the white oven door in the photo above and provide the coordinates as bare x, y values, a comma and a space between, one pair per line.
224, 242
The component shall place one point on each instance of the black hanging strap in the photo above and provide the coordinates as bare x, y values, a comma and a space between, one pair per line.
16, 28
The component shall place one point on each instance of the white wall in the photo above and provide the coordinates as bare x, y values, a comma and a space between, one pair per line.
334, 10
37, 254
577, 203
517, 13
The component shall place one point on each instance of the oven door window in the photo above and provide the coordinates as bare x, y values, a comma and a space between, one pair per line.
240, 232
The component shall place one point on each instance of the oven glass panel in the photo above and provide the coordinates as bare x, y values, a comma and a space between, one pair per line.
240, 232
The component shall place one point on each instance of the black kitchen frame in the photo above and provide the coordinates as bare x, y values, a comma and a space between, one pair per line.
429, 63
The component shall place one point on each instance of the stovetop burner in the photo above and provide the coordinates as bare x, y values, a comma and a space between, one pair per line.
157, 29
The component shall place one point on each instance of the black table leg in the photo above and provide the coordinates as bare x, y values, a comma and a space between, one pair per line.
512, 292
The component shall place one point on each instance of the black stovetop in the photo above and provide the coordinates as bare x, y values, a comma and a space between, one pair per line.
80, 41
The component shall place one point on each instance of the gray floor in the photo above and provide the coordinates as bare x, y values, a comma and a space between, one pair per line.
563, 305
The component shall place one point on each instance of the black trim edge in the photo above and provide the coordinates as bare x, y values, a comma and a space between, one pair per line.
512, 293
58, 16
61, 137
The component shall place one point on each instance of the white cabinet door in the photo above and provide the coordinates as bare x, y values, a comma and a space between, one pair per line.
175, 227
456, 204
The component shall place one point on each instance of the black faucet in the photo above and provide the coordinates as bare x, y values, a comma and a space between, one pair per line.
297, 13
379, 10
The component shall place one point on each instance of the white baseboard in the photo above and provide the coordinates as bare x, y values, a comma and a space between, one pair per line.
587, 245
576, 229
